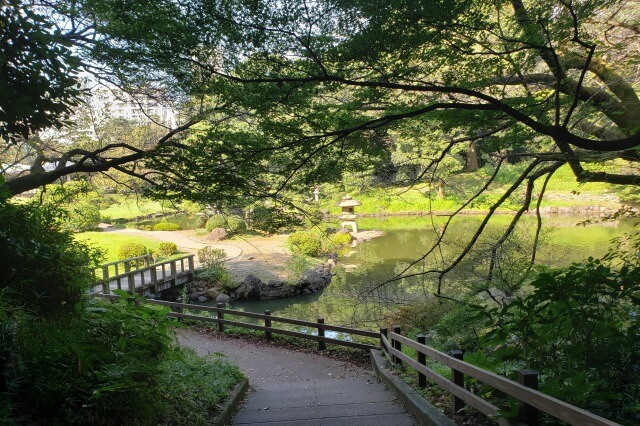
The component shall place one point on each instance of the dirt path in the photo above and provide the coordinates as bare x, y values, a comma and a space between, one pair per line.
265, 257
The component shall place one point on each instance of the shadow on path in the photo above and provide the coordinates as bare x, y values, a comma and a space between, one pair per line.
299, 388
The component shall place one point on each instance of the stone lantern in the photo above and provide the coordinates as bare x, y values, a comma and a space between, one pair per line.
348, 215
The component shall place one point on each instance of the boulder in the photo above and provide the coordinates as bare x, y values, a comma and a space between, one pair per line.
217, 234
312, 281
288, 291
275, 283
202, 299
250, 288
193, 296
223, 298
212, 293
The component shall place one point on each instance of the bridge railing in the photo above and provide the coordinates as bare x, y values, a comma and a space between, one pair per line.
143, 271
119, 269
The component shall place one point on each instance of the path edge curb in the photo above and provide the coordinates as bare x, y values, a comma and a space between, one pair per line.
231, 404
424, 412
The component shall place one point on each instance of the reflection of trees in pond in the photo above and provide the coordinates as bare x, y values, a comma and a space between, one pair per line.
358, 299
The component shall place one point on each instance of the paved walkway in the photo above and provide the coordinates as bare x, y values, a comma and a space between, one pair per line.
298, 388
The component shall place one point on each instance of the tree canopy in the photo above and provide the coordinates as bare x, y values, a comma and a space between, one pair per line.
289, 94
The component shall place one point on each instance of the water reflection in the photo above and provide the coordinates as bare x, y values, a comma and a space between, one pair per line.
359, 297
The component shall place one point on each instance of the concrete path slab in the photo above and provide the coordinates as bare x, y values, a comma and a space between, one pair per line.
299, 388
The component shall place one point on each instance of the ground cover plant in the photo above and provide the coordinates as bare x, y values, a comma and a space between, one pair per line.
67, 358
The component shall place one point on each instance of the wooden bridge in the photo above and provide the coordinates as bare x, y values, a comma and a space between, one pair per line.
142, 276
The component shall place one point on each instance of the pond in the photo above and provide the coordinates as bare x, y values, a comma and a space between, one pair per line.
358, 298
185, 220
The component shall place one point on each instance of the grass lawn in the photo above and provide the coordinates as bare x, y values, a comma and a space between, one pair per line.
562, 190
132, 207
110, 242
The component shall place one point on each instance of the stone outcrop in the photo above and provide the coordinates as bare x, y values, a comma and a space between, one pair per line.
250, 289
253, 288
217, 234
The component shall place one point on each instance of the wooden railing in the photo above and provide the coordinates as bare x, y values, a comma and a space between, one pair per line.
530, 400
122, 268
179, 310
142, 276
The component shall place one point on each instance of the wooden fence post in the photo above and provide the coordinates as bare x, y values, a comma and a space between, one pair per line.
422, 359
191, 264
267, 323
131, 281
321, 344
154, 275
528, 414
105, 280
383, 332
179, 311
397, 345
220, 316
458, 379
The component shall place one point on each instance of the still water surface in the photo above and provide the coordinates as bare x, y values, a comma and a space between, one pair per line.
357, 298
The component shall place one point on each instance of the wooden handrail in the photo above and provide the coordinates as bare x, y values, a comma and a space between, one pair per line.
472, 399
130, 259
148, 268
550, 405
390, 342
273, 318
221, 320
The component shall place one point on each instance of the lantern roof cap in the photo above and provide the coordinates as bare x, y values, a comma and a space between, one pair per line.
347, 201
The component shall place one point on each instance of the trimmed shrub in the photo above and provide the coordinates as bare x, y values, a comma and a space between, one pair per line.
166, 249
307, 243
201, 222
231, 223
341, 239
129, 250
166, 226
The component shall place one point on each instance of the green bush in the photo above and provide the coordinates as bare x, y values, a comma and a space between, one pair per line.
130, 250
579, 327
211, 257
214, 268
166, 226
166, 249
113, 363
308, 243
341, 239
82, 216
44, 268
231, 223
201, 222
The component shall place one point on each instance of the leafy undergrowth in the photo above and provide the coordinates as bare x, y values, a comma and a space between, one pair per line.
193, 387
111, 363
